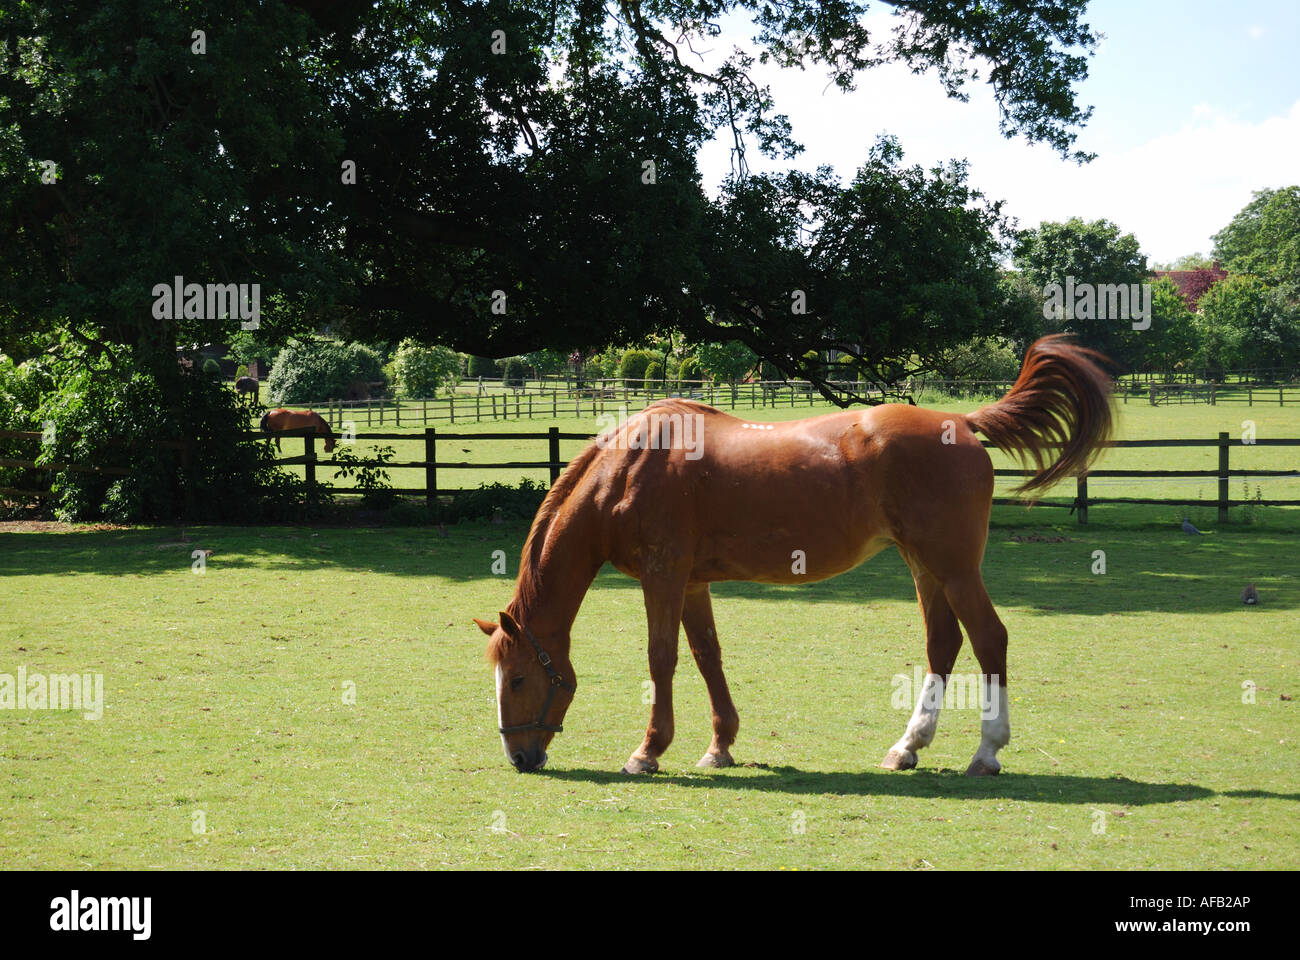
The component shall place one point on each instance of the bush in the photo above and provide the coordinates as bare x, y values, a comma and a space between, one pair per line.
519, 503
689, 370
515, 373
481, 367
420, 371
633, 364
726, 361
134, 422
654, 373
309, 371
211, 368
371, 475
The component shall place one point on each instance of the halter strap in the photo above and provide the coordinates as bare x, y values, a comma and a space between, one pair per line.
557, 683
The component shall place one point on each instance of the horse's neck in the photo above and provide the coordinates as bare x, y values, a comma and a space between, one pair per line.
559, 577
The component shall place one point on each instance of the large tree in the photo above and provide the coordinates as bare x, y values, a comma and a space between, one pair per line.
525, 172
1264, 237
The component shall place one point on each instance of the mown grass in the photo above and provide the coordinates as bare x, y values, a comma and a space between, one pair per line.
225, 699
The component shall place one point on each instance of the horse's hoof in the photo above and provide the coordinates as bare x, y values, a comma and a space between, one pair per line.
979, 767
899, 760
711, 759
636, 765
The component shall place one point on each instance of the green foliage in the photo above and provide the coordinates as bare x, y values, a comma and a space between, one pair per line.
689, 370
982, 358
547, 362
491, 500
421, 371
515, 373
726, 361
1093, 253
115, 419
481, 367
211, 368
1170, 343
1264, 237
654, 373
315, 370
368, 475
632, 365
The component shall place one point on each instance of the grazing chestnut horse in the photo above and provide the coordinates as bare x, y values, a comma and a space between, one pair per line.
273, 421
682, 495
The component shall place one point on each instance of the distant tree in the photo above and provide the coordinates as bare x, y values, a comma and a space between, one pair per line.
654, 373
726, 361
982, 358
1171, 341
1094, 253
1264, 237
1188, 261
546, 362
632, 365
481, 367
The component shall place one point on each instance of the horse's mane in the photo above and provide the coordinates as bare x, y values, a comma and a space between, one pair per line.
527, 586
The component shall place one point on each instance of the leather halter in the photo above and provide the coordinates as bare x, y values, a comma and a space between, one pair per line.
557, 683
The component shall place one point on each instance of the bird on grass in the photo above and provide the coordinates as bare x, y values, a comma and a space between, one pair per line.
1250, 596
1188, 528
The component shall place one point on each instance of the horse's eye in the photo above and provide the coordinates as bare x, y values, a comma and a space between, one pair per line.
516, 683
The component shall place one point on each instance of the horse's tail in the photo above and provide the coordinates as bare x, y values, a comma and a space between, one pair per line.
1060, 402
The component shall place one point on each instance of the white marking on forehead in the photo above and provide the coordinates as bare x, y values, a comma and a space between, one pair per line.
500, 681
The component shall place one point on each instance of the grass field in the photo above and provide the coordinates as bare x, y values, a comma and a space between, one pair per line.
225, 710
228, 739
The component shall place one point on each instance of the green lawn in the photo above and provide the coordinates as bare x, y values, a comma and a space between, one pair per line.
225, 702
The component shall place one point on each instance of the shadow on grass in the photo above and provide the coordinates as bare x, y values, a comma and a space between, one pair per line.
931, 784
1038, 570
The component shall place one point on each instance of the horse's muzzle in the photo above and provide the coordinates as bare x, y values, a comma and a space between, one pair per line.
526, 761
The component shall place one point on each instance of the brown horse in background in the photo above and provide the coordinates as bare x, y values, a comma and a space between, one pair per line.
682, 495
274, 421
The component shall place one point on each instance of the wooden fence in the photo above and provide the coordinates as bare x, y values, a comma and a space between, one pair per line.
553, 463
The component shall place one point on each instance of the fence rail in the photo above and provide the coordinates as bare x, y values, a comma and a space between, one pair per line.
553, 463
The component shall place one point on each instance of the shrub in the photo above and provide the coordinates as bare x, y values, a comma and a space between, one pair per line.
481, 367
371, 475
211, 368
518, 503
134, 421
309, 371
654, 373
515, 373
689, 369
633, 364
421, 371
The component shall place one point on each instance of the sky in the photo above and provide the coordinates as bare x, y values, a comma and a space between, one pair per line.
1196, 105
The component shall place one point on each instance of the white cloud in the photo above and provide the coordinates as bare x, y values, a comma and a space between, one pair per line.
1172, 190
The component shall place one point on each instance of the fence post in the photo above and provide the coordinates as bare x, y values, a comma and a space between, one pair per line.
397, 411
309, 468
553, 452
451, 408
1223, 477
430, 471
189, 480
1082, 499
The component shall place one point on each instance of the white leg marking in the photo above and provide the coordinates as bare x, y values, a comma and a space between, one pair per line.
995, 722
925, 716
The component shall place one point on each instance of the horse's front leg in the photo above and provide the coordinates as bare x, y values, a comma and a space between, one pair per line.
663, 605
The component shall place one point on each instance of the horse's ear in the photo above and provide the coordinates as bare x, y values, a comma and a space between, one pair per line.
510, 625
486, 626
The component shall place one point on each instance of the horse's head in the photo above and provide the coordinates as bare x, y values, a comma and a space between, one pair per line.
533, 691
330, 441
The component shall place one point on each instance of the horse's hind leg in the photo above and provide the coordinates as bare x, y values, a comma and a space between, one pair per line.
663, 605
697, 618
942, 641
988, 637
